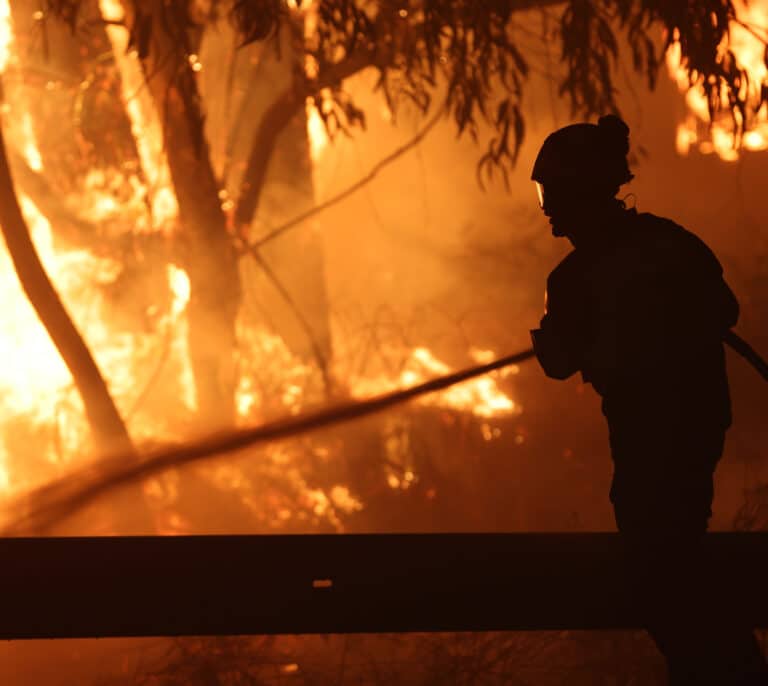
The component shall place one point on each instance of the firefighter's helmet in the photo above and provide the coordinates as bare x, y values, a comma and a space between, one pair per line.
585, 156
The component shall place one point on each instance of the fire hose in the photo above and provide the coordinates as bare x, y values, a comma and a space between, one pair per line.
75, 490
52, 502
745, 350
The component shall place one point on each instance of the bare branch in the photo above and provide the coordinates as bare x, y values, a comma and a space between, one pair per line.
372, 174
274, 121
322, 363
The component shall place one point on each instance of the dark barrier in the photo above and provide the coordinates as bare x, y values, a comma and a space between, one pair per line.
218, 585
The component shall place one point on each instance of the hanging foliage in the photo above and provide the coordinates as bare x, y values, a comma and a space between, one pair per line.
468, 48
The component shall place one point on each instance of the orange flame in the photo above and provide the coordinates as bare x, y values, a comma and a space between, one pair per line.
36, 385
6, 34
145, 122
36, 388
318, 136
749, 49
481, 396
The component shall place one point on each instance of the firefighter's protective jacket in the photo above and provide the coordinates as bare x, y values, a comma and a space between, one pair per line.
642, 316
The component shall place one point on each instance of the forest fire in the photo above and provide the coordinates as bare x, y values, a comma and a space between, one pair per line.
266, 220
39, 397
38, 389
747, 42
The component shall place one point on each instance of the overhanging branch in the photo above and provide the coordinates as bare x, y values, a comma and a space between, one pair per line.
372, 174
273, 123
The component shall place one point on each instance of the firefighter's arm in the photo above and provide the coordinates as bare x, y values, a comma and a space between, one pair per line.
555, 342
553, 354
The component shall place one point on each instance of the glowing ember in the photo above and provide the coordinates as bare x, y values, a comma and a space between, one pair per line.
195, 63
749, 50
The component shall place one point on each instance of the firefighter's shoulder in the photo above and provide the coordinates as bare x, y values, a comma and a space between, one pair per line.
681, 246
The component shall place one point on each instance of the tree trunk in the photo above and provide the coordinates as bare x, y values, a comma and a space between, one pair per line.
109, 432
270, 173
67, 61
210, 257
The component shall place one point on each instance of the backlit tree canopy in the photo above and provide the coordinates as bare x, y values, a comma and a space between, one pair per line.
468, 51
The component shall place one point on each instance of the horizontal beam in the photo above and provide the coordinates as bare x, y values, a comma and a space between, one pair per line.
226, 585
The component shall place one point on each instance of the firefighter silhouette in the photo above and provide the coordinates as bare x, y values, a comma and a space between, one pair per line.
640, 308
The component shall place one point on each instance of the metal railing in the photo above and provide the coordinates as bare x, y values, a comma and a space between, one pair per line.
226, 585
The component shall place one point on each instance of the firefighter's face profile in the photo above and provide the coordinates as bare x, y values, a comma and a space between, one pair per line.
569, 206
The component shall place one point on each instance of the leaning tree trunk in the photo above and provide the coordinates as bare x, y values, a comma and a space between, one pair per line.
210, 257
109, 432
68, 58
